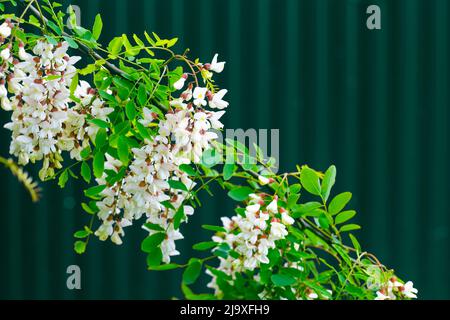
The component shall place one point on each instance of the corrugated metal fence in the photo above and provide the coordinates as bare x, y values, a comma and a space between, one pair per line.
372, 102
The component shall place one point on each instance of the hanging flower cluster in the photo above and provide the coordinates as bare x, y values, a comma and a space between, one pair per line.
252, 235
154, 186
45, 120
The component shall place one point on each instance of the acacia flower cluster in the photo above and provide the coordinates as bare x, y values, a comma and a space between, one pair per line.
147, 188
45, 119
252, 235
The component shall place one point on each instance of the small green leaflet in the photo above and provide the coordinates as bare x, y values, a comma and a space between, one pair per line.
188, 169
202, 246
123, 149
97, 28
192, 272
177, 185
154, 257
80, 247
310, 181
283, 280
240, 193
151, 242
328, 182
339, 203
99, 164
228, 171
86, 172
344, 216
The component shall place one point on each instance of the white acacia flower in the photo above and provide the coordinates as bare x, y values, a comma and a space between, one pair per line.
382, 296
273, 206
409, 291
217, 101
278, 230
5, 54
199, 96
148, 117
264, 180
287, 219
178, 85
253, 208
215, 66
5, 29
214, 118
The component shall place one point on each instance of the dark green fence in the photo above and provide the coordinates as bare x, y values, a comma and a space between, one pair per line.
375, 103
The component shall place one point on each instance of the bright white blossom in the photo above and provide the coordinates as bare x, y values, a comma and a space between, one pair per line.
200, 96
180, 83
145, 192
217, 101
216, 66
45, 122
394, 290
252, 236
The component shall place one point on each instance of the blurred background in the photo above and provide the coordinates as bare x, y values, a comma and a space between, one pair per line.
374, 103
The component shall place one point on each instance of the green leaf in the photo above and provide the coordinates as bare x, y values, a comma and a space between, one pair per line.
153, 241
142, 95
130, 110
54, 27
123, 150
101, 138
154, 257
86, 172
87, 208
349, 227
154, 227
192, 272
143, 131
202, 246
72, 43
179, 216
310, 181
63, 178
211, 158
355, 242
85, 153
94, 191
51, 40
188, 169
99, 164
328, 182
165, 267
316, 240
99, 123
97, 28
240, 194
74, 84
90, 68
228, 171
307, 209
339, 203
344, 216
178, 185
115, 46
283, 280
81, 234
80, 247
